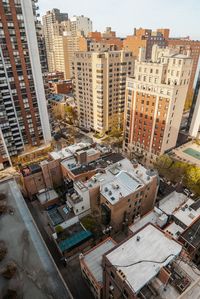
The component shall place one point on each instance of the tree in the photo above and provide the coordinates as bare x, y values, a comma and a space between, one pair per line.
59, 229
71, 115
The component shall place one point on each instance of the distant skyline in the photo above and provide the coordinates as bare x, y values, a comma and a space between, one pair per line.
180, 16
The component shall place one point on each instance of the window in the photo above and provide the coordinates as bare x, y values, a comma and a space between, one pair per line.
112, 275
125, 293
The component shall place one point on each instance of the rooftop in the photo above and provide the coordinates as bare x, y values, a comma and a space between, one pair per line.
149, 244
46, 196
36, 268
121, 186
186, 214
93, 258
172, 202
192, 233
68, 151
74, 240
156, 217
101, 163
120, 178
174, 230
188, 153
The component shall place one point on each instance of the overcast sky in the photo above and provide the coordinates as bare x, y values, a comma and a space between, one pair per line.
181, 16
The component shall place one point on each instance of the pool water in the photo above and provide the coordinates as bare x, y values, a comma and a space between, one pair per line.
193, 153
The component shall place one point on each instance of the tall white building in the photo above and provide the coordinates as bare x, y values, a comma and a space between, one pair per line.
51, 27
100, 80
23, 107
81, 24
194, 118
155, 99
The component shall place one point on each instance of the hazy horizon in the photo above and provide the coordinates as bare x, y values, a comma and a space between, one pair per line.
180, 16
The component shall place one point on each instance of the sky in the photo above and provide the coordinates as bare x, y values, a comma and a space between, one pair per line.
181, 16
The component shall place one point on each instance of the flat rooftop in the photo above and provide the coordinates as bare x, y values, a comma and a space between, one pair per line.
36, 268
101, 163
130, 256
192, 292
186, 214
192, 233
46, 196
120, 178
121, 186
172, 202
174, 230
156, 217
189, 153
93, 258
68, 151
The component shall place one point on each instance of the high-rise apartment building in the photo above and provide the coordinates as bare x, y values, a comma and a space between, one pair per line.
51, 27
80, 24
23, 109
155, 99
100, 80
145, 38
63, 37
194, 116
185, 44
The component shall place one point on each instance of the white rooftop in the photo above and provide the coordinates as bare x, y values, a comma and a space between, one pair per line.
156, 217
174, 229
120, 178
46, 196
68, 151
153, 245
186, 214
93, 259
172, 202
121, 186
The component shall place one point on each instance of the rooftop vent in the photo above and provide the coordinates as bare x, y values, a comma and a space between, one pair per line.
138, 238
110, 192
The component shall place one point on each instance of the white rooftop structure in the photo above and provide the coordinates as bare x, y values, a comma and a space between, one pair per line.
47, 195
121, 186
172, 202
174, 229
156, 217
186, 214
68, 151
149, 244
159, 215
121, 179
93, 258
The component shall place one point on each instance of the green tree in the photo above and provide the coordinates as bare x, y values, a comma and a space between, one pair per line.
71, 115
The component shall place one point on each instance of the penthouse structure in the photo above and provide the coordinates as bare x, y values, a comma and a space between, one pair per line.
155, 99
24, 118
100, 80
